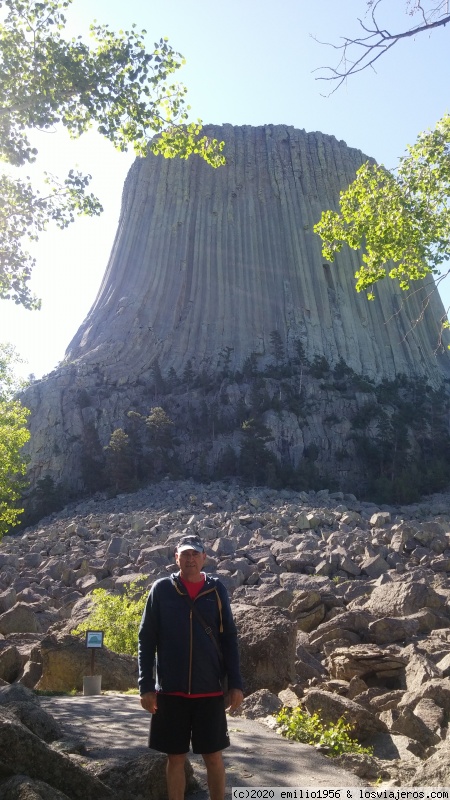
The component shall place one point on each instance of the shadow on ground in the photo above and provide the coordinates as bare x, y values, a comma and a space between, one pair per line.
114, 727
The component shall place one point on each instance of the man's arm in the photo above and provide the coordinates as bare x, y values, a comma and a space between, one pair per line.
147, 641
230, 650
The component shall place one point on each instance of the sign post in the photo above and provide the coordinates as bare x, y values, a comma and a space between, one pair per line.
92, 683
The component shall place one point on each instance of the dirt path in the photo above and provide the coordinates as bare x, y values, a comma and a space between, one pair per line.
114, 727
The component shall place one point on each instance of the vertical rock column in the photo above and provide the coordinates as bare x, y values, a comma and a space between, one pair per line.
210, 259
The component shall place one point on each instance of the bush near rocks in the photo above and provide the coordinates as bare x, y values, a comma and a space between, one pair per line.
118, 616
332, 737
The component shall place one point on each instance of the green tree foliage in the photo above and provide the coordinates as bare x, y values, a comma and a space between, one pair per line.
188, 373
319, 367
250, 366
160, 427
225, 361
13, 435
276, 347
161, 433
401, 438
256, 462
402, 218
119, 465
227, 463
113, 84
118, 615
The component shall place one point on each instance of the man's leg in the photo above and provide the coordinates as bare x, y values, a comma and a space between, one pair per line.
215, 771
176, 779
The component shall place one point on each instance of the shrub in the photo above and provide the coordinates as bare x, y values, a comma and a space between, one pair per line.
300, 726
118, 615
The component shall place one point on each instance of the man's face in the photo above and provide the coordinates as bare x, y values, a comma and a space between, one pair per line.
190, 563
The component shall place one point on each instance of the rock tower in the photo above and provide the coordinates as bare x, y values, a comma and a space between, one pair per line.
210, 259
211, 269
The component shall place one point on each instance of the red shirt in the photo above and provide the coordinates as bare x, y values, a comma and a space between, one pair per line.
194, 589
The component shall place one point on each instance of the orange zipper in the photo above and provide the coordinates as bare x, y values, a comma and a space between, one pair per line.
191, 640
191, 632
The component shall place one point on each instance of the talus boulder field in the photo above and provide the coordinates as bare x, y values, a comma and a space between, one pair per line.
377, 652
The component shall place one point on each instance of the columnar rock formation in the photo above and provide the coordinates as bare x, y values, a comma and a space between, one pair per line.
210, 259
215, 269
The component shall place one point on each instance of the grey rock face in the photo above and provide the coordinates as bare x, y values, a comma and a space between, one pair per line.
267, 645
208, 264
207, 259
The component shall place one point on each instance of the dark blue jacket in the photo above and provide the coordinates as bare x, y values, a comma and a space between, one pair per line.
186, 659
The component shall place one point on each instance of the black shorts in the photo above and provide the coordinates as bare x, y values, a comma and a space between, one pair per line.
179, 720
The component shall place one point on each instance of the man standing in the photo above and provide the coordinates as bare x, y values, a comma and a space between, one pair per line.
188, 625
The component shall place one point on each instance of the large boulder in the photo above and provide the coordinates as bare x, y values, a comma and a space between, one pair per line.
37, 720
419, 670
260, 704
332, 707
21, 787
267, 641
20, 703
435, 771
65, 661
387, 630
436, 689
143, 777
8, 599
408, 723
307, 610
349, 626
367, 660
19, 619
398, 599
10, 662
23, 753
28, 618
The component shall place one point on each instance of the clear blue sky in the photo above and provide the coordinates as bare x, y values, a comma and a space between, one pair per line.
248, 62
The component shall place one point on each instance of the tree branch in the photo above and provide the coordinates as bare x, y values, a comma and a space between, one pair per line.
376, 43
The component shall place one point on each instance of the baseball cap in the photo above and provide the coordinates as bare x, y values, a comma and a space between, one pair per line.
190, 543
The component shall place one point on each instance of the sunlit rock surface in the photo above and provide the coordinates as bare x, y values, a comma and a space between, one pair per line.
210, 259
207, 265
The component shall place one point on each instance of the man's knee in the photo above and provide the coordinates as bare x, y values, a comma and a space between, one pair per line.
213, 759
176, 759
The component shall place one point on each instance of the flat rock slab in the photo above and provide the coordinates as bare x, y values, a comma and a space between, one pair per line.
114, 727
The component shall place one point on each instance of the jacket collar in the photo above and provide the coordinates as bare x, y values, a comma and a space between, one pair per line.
175, 578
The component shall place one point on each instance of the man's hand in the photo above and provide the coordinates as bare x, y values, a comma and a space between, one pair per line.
149, 702
235, 698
